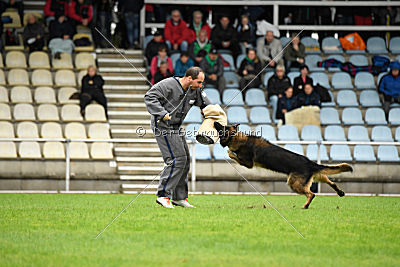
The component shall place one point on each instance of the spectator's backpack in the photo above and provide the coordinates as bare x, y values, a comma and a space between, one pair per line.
323, 93
352, 41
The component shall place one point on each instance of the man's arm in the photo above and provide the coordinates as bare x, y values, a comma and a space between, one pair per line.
152, 100
275, 50
202, 99
260, 51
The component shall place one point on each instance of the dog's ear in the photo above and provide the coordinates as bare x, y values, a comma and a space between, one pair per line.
218, 126
236, 126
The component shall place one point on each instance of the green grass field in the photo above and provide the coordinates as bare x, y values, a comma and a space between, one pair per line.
59, 229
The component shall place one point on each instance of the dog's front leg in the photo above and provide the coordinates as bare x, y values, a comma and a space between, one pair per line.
233, 156
243, 162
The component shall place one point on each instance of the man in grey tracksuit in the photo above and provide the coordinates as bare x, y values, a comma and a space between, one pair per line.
168, 102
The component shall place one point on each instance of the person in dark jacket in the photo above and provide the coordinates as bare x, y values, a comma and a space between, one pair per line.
245, 34
17, 4
308, 97
131, 11
199, 48
61, 33
389, 86
285, 104
223, 35
34, 34
92, 89
162, 72
182, 64
213, 69
301, 80
52, 6
153, 46
249, 69
80, 11
276, 87
102, 20
294, 53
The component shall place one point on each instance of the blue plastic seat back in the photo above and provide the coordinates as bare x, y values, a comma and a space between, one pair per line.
231, 79
228, 58
220, 153
340, 153
394, 116
329, 115
364, 153
191, 130
213, 95
331, 45
370, 98
311, 61
352, 116
239, 60
376, 45
397, 134
244, 128
174, 58
311, 44
375, 116
295, 148
359, 60
341, 80
358, 133
288, 133
347, 98
237, 115
202, 152
364, 80
255, 97
334, 133
193, 116
267, 76
311, 133
312, 152
394, 45
232, 97
260, 115
388, 154
266, 131
321, 78
381, 134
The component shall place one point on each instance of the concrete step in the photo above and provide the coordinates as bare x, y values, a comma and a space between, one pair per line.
138, 150
149, 187
124, 114
112, 104
139, 159
120, 62
141, 87
129, 122
139, 177
123, 70
127, 97
134, 169
111, 52
138, 141
132, 133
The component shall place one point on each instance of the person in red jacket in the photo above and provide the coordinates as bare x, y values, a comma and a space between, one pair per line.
176, 32
81, 11
52, 6
156, 61
198, 25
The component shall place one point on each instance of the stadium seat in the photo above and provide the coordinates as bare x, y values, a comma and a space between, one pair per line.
71, 112
321, 78
15, 19
364, 80
8, 150
380, 75
101, 151
347, 98
24, 112
266, 131
51, 130
237, 115
255, 97
45, 95
388, 154
375, 116
285, 40
39, 60
381, 134
358, 133
6, 130
267, 76
174, 58
95, 113
312, 152
29, 150
329, 115
288, 133
79, 35
65, 62
394, 45
65, 78
78, 150
65, 93
27, 129
394, 116
260, 115
220, 153
311, 133
80, 77
3, 95
331, 45
364, 153
75, 130
18, 77
202, 152
231, 80
334, 133
232, 97
370, 98
295, 148
20, 94
83, 60
244, 128
338, 58
1, 61
47, 112
42, 78
397, 134
239, 60
53, 150
292, 75
2, 78
191, 130
352, 116
16, 60
311, 61
340, 153
376, 45
5, 113
147, 40
311, 44
341, 80
329, 104
359, 60
213, 95
99, 131
229, 59
193, 116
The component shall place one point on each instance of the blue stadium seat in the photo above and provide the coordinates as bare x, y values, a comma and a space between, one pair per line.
293, 75
329, 104
364, 153
255, 97
311, 44
394, 116
394, 45
347, 98
329, 116
376, 45
339, 58
237, 115
147, 40
311, 61
220, 153
266, 131
285, 40
231, 79
244, 128
239, 60
370, 98
228, 58
311, 133
260, 115
381, 134
398, 58
321, 78
352, 116
267, 76
358, 133
364, 80
288, 133
340, 153
312, 153
388, 154
232, 97
397, 135
224, 51
334, 133
202, 152
191, 130
359, 60
174, 58
375, 116
341, 80
295, 148
193, 116
380, 75
213, 95
331, 45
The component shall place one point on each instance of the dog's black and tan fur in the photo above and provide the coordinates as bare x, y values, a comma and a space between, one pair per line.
251, 151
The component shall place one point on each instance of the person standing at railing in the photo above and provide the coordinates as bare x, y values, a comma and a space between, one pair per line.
389, 86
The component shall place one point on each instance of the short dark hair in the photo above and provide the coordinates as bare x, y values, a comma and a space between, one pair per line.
184, 54
193, 72
162, 47
304, 66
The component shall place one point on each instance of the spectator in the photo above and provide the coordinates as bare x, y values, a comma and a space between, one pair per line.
301, 80
103, 21
276, 87
153, 46
92, 89
162, 73
286, 103
198, 25
308, 97
200, 47
223, 36
34, 34
61, 32
213, 69
268, 50
249, 69
156, 61
176, 32
17, 4
131, 10
389, 86
52, 6
294, 53
245, 34
182, 64
80, 11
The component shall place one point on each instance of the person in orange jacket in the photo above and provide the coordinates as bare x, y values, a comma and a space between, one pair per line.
176, 32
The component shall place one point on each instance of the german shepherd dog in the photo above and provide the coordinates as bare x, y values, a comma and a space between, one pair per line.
249, 151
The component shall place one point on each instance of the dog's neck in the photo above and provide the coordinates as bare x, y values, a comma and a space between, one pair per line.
237, 141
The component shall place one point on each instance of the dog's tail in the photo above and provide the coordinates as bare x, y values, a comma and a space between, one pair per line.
335, 169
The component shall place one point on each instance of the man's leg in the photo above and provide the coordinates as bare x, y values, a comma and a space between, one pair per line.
129, 22
102, 100
136, 27
273, 101
84, 100
181, 190
221, 84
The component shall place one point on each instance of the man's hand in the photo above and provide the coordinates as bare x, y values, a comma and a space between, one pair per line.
66, 36
284, 111
244, 72
272, 63
213, 77
300, 60
226, 44
167, 117
85, 22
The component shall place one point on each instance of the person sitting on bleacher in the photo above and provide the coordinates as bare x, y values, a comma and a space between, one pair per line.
200, 48
197, 26
17, 4
389, 86
52, 6
249, 69
162, 72
92, 89
61, 32
156, 61
214, 70
176, 32
286, 103
182, 64
268, 50
308, 97
223, 35
276, 87
80, 11
301, 80
246, 34
153, 46
34, 34
294, 53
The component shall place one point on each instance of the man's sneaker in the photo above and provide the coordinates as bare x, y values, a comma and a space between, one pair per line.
183, 203
165, 202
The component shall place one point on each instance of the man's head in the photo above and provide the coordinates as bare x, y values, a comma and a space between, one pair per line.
226, 133
157, 37
295, 39
304, 70
280, 71
224, 20
269, 36
251, 53
175, 15
163, 67
195, 77
289, 92
213, 54
394, 67
81, 1
184, 57
162, 51
91, 70
197, 17
308, 88
31, 19
245, 20
202, 36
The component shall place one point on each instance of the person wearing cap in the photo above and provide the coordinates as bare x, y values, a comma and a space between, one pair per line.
214, 70
301, 80
294, 53
389, 86
153, 46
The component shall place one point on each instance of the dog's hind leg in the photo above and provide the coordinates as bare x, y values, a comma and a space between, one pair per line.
323, 178
300, 185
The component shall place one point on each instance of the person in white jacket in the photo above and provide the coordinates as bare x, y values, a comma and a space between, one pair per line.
268, 50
